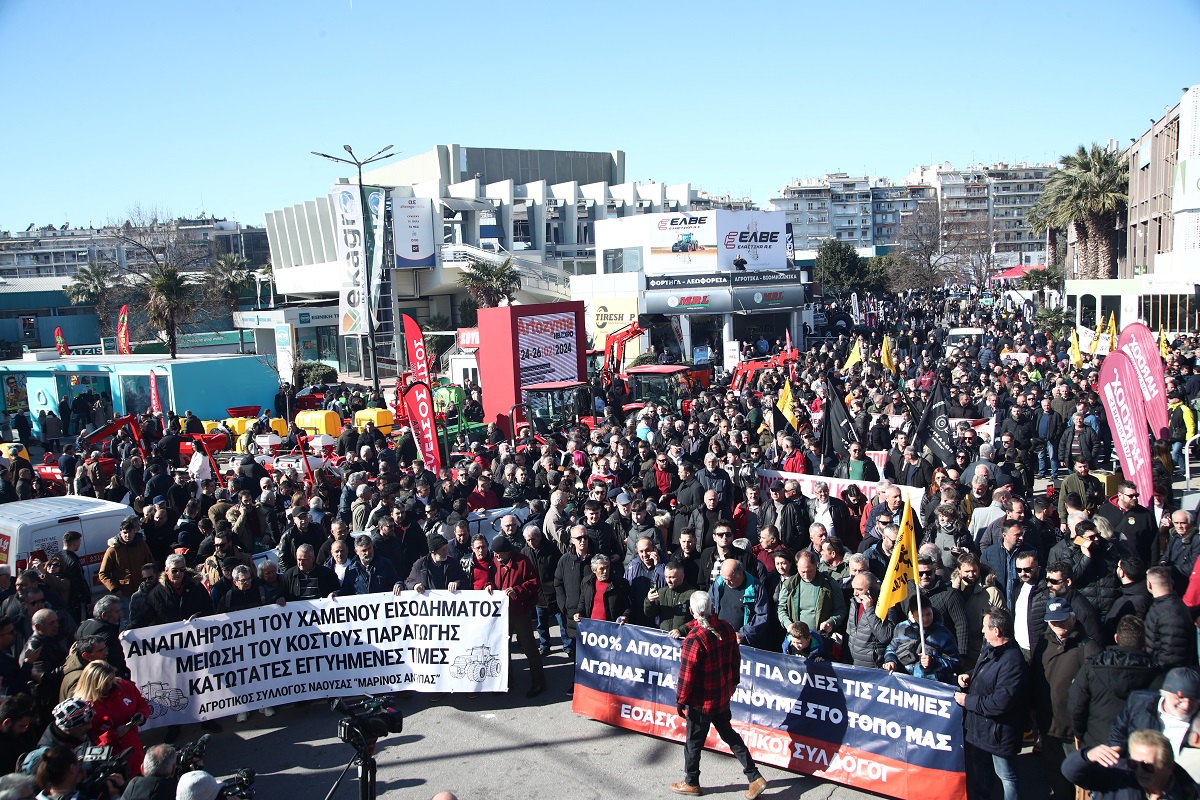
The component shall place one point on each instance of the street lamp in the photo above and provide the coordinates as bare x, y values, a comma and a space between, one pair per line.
362, 198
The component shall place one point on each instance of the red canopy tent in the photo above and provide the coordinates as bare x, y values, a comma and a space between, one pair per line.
1015, 272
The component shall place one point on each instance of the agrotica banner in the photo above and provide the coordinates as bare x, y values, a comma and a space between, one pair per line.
315, 649
889, 734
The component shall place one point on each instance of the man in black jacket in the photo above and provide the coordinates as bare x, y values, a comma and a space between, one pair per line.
545, 556
1047, 430
1105, 682
307, 580
945, 599
1060, 582
157, 781
568, 578
1175, 705
179, 595
1135, 598
711, 558
688, 497
1170, 634
1132, 521
1029, 607
79, 598
1079, 441
438, 570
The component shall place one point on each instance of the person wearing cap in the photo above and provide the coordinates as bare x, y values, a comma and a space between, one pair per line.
436, 570
516, 576
1062, 655
301, 530
1170, 710
70, 723
1181, 426
198, 785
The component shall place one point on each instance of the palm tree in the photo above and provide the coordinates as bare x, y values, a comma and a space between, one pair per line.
1086, 195
226, 281
490, 284
171, 299
95, 285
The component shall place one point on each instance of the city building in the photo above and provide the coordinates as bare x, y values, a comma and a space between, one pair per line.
860, 211
1158, 255
538, 209
37, 264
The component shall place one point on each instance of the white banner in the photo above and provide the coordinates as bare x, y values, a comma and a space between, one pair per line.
351, 251
412, 232
316, 649
546, 346
759, 237
836, 485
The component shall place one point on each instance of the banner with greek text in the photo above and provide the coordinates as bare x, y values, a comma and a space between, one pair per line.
1119, 392
866, 728
1137, 342
316, 649
419, 404
418, 359
836, 485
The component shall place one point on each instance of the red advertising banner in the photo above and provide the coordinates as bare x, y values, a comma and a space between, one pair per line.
60, 342
1137, 342
418, 360
1119, 392
123, 331
155, 403
419, 403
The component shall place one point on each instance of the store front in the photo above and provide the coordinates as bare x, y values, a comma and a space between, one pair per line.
306, 334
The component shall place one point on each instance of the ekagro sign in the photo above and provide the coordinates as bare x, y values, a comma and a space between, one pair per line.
352, 298
317, 649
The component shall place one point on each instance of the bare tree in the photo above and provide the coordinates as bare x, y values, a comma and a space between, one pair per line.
921, 261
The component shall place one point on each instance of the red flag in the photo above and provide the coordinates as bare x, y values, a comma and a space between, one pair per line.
1137, 342
155, 403
60, 342
1119, 392
123, 331
418, 363
419, 403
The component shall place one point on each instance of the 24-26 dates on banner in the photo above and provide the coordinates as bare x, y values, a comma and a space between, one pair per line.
316, 649
890, 734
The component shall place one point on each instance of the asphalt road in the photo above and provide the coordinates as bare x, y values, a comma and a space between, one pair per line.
492, 746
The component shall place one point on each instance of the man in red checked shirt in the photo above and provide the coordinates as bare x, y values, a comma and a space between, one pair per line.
709, 668
516, 577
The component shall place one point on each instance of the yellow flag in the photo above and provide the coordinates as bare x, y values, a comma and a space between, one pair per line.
1112, 330
784, 404
1163, 349
1076, 355
885, 356
901, 569
1095, 342
855, 355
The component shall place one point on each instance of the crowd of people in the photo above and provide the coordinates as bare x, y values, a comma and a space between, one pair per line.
1059, 605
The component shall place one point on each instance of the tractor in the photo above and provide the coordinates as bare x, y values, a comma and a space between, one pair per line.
687, 244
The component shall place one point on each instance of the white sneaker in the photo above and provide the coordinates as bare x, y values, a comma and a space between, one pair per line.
268, 712
242, 717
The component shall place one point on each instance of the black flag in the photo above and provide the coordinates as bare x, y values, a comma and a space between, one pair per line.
837, 429
933, 429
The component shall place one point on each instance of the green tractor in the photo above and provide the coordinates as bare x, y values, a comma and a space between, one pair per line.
687, 244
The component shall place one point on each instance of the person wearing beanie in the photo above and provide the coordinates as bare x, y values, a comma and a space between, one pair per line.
198, 785
70, 722
436, 570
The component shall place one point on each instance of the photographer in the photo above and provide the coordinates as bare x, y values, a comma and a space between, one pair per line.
59, 774
157, 781
199, 785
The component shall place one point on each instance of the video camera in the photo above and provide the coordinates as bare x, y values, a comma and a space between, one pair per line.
240, 786
99, 763
191, 755
367, 721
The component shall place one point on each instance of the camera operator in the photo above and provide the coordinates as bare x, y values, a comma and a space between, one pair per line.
199, 785
157, 781
60, 772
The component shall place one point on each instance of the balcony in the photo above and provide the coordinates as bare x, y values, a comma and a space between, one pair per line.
573, 251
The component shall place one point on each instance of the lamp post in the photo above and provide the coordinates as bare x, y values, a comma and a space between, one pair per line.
362, 198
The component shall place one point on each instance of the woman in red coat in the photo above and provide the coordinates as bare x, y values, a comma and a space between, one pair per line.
118, 710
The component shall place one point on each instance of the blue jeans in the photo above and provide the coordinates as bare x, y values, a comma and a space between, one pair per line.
986, 766
1178, 456
542, 628
1047, 463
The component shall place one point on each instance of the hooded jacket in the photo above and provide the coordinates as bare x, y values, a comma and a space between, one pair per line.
1104, 683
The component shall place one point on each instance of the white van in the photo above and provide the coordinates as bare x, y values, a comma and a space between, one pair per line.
960, 337
29, 526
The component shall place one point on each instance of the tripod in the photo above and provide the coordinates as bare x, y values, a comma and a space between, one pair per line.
365, 760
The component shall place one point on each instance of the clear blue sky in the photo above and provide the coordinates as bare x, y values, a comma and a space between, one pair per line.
215, 106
